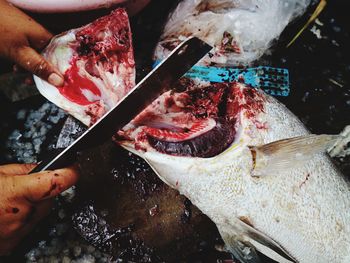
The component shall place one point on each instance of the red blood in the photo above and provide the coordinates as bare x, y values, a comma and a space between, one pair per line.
169, 102
108, 38
106, 42
115, 25
204, 102
261, 125
74, 84
187, 134
247, 99
95, 111
174, 135
236, 47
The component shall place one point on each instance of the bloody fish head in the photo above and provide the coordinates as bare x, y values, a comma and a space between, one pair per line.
200, 122
98, 65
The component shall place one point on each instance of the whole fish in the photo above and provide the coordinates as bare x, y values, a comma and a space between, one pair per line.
240, 30
226, 147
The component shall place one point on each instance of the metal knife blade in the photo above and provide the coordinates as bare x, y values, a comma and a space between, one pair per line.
158, 81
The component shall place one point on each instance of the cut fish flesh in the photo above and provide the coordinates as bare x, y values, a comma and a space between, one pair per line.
98, 65
190, 123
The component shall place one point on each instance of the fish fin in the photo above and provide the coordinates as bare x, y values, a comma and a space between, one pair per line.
243, 240
342, 147
289, 153
240, 249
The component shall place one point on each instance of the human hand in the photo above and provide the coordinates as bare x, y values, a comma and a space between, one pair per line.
20, 38
26, 198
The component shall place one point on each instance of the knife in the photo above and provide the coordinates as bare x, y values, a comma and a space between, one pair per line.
158, 81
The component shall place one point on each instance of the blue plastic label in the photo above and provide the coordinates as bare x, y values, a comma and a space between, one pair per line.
274, 81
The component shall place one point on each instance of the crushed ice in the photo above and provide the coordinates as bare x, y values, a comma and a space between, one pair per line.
24, 145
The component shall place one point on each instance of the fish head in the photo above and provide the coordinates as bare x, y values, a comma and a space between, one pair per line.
98, 66
192, 136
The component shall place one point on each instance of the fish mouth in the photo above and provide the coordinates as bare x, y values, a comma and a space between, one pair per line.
201, 120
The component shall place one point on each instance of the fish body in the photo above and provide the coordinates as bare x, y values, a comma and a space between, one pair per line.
241, 31
302, 212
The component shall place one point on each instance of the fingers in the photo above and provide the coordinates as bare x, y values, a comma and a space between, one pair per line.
39, 38
13, 212
36, 213
29, 59
20, 36
16, 169
15, 24
14, 232
47, 184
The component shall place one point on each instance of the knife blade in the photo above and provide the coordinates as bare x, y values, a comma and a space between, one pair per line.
158, 81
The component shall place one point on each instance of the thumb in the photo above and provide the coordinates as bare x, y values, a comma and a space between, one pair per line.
40, 186
30, 60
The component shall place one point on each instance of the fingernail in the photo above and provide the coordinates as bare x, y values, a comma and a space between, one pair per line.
55, 79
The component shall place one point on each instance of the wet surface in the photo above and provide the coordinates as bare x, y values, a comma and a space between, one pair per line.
319, 65
163, 225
